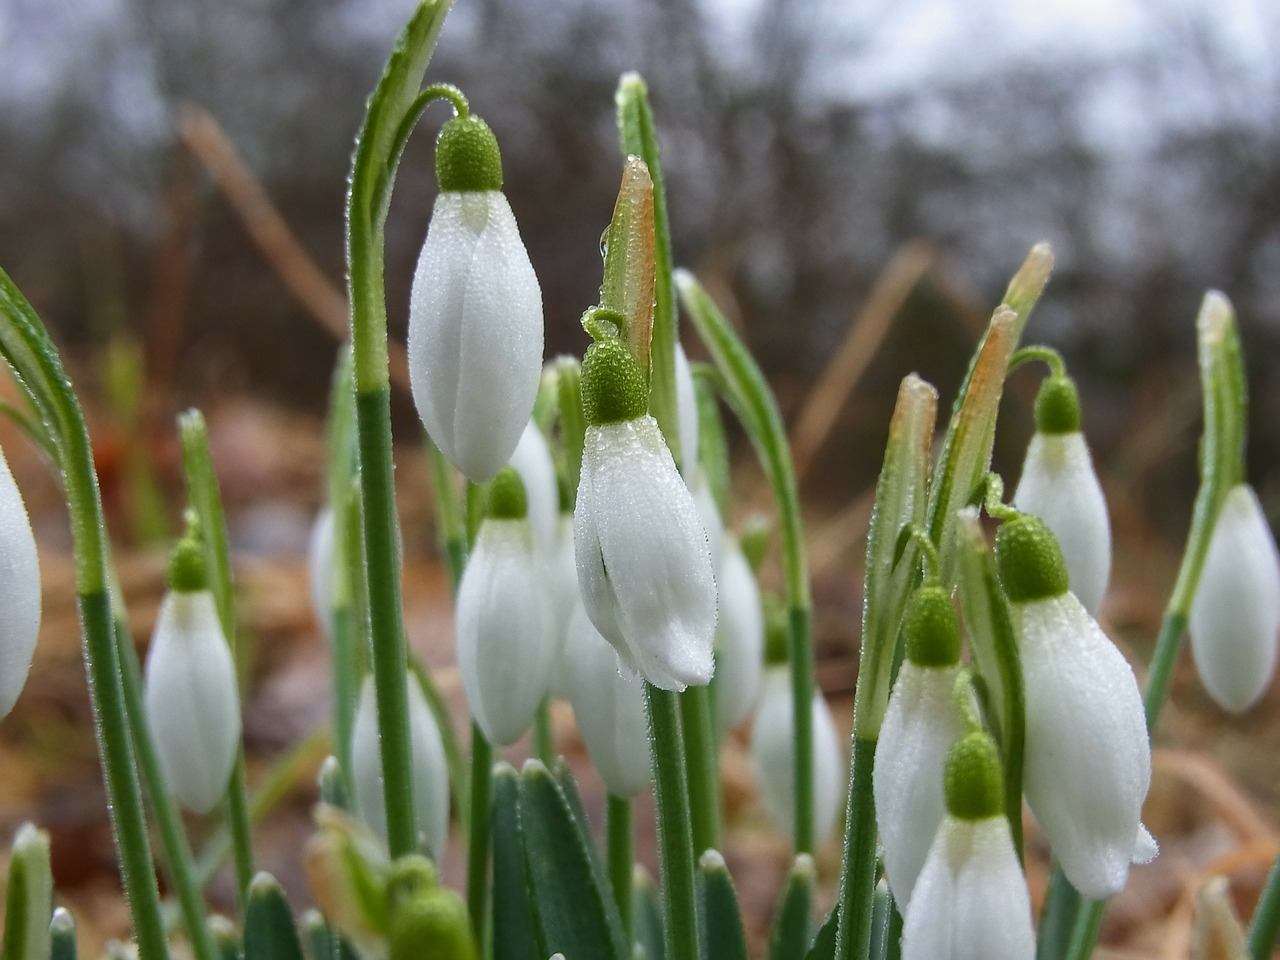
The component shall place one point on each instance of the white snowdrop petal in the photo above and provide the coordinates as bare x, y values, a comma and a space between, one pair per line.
1088, 762
708, 513
1235, 616
565, 599
20, 574
610, 710
532, 460
739, 639
773, 750
1060, 486
320, 569
475, 332
429, 768
686, 412
920, 725
971, 901
644, 566
192, 702
504, 639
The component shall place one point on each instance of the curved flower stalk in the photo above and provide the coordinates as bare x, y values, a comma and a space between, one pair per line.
475, 310
739, 639
920, 725
1088, 760
1235, 616
430, 770
532, 460
20, 574
644, 565
192, 702
1060, 486
773, 749
505, 651
609, 706
971, 900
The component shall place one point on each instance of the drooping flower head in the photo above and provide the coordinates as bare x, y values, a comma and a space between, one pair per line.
739, 639
1235, 616
921, 723
20, 574
1060, 486
971, 901
191, 696
475, 310
1088, 761
505, 648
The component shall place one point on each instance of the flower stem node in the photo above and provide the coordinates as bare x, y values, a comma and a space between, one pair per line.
507, 499
1058, 406
1029, 560
973, 783
930, 628
467, 156
613, 385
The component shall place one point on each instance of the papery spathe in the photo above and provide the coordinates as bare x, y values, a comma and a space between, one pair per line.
192, 702
1235, 616
429, 769
475, 331
20, 575
644, 566
505, 653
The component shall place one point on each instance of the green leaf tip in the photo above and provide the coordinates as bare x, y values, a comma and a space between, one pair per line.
613, 385
507, 499
973, 784
931, 629
1058, 406
1029, 560
467, 156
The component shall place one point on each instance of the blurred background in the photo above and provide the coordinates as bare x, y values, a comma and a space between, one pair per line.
866, 175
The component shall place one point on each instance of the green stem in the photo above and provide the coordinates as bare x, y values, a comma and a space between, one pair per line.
177, 850
700, 768
1266, 917
1050, 357
27, 348
853, 934
478, 838
543, 737
619, 856
1061, 904
675, 836
801, 653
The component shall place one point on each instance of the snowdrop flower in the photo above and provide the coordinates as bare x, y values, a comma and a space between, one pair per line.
1059, 486
192, 700
428, 768
475, 310
739, 639
971, 900
773, 749
505, 652
1088, 761
610, 710
1236, 612
564, 600
320, 569
532, 460
20, 574
921, 723
686, 412
644, 566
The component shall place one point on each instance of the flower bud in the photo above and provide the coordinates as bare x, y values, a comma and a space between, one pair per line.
971, 898
1236, 612
428, 766
610, 710
475, 311
920, 725
773, 749
532, 460
739, 639
320, 569
564, 599
1059, 486
20, 574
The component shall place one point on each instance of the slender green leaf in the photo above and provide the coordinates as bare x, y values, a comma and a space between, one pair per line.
62, 935
575, 913
646, 913
824, 941
793, 924
1265, 926
720, 926
269, 930
514, 936
29, 902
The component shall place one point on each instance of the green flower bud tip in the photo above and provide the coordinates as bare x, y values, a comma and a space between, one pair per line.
1029, 560
1058, 406
187, 572
973, 783
432, 924
507, 500
930, 628
467, 157
613, 386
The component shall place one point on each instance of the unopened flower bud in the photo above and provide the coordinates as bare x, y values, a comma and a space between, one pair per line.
739, 639
20, 575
